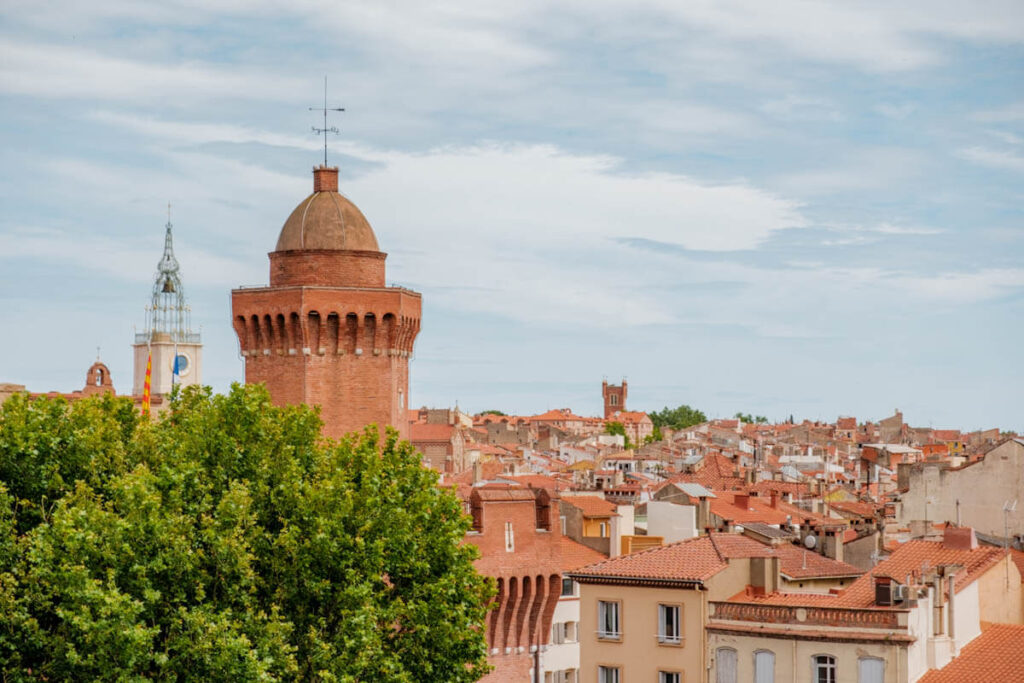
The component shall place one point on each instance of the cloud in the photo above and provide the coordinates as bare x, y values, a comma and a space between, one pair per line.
863, 169
1008, 114
120, 261
52, 70
802, 108
992, 158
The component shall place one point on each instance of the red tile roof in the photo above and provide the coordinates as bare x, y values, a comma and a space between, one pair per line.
576, 555
430, 432
592, 506
694, 559
800, 563
909, 558
996, 655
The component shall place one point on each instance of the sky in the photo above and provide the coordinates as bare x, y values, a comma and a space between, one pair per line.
787, 208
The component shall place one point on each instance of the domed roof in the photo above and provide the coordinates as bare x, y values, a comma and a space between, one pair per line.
326, 220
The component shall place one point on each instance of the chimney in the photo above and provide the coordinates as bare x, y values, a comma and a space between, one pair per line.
959, 538
325, 179
775, 499
703, 513
478, 472
742, 500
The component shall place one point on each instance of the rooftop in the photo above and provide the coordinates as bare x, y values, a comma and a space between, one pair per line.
995, 655
692, 560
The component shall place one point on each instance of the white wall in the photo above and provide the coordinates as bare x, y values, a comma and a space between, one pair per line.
672, 521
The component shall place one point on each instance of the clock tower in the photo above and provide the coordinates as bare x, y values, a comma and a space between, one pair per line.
168, 332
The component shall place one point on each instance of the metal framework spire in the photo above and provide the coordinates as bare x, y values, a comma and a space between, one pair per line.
325, 130
168, 315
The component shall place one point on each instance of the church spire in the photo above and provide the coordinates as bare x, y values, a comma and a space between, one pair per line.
168, 312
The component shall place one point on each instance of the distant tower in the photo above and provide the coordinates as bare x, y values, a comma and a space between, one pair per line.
168, 331
614, 398
328, 330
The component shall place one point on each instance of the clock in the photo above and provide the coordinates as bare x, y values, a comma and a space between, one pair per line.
183, 363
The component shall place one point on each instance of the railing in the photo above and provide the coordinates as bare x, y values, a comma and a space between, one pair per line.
806, 616
182, 338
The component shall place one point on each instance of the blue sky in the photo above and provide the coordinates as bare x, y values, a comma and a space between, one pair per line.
803, 208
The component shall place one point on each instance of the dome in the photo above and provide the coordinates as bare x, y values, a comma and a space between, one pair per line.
326, 220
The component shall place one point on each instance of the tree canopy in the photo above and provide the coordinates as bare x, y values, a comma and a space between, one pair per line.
226, 542
751, 419
617, 428
677, 418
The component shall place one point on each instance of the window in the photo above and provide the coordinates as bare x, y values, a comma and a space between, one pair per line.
870, 670
725, 665
613, 399
568, 587
668, 624
608, 620
563, 632
607, 674
510, 539
603, 529
669, 677
561, 521
823, 669
764, 666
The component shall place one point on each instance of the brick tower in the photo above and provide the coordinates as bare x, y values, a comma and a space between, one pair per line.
328, 331
614, 398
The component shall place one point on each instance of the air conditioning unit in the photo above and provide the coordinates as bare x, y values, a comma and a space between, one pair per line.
899, 593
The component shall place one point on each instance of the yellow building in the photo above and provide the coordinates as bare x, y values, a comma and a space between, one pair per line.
642, 616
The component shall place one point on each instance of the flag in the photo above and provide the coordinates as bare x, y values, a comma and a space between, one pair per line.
146, 387
176, 372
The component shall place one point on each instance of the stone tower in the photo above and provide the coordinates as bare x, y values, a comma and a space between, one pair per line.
168, 333
614, 398
328, 331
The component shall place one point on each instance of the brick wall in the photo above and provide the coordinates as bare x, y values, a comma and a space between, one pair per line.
327, 268
527, 572
345, 349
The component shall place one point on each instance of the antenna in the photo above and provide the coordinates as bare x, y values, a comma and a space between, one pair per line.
325, 130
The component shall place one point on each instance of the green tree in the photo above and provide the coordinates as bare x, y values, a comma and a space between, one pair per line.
617, 429
227, 542
751, 419
677, 418
493, 412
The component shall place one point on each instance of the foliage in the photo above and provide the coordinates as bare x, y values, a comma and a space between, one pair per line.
655, 435
493, 412
227, 542
677, 418
617, 429
751, 419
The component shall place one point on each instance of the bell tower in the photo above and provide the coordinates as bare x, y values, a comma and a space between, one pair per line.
328, 331
168, 332
614, 398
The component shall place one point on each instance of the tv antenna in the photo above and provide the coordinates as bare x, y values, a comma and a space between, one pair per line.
325, 130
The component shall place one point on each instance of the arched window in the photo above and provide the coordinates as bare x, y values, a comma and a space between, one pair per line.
823, 669
725, 665
764, 666
870, 670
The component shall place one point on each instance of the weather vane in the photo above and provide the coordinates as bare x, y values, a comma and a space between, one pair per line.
325, 130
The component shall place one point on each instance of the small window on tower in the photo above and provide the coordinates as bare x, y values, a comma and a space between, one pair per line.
613, 399
510, 541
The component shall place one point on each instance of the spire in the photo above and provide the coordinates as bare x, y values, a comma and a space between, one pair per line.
168, 313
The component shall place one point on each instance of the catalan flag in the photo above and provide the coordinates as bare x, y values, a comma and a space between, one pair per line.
146, 387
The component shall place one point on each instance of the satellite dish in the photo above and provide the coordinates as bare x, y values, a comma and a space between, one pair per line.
810, 541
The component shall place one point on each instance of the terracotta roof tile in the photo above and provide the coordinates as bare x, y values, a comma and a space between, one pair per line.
800, 563
576, 555
996, 655
592, 506
694, 559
